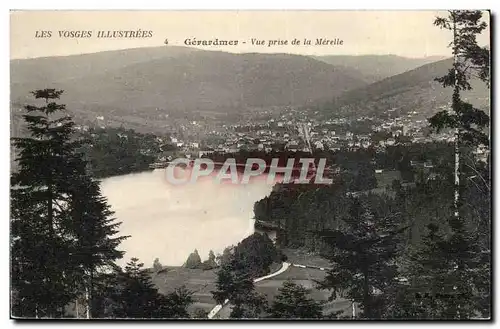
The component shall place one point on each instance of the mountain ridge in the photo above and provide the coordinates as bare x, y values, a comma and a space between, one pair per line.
181, 79
379, 67
415, 89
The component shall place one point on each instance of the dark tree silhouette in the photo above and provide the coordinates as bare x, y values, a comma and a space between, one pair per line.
292, 302
62, 233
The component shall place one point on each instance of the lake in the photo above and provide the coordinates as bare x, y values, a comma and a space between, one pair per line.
169, 222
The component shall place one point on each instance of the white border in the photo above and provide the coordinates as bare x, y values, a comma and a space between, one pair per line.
256, 4
211, 5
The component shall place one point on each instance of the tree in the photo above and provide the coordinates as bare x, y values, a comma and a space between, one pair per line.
118, 151
363, 256
364, 179
292, 302
200, 314
466, 262
210, 263
193, 261
94, 246
396, 185
62, 233
175, 305
469, 60
135, 296
211, 257
235, 284
257, 252
225, 257
157, 265
405, 168
441, 279
39, 252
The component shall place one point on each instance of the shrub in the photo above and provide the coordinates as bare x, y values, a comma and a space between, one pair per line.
193, 261
157, 267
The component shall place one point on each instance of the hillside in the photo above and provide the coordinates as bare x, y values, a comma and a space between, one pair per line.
378, 67
177, 79
409, 91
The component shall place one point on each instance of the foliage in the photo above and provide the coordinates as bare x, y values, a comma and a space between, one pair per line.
200, 313
193, 261
64, 238
292, 302
210, 263
225, 257
157, 265
257, 252
235, 284
133, 295
251, 258
119, 151
211, 257
62, 230
442, 278
363, 258
451, 267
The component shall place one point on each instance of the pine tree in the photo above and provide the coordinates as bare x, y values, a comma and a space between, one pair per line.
363, 256
200, 314
94, 247
193, 261
225, 257
469, 60
135, 296
466, 262
235, 284
175, 305
257, 252
157, 265
62, 233
210, 263
40, 249
292, 302
440, 279
211, 258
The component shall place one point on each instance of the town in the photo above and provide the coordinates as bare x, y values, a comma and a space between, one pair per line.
284, 129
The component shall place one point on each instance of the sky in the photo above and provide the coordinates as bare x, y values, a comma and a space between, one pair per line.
403, 33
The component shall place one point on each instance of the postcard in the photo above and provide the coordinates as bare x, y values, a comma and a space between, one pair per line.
210, 165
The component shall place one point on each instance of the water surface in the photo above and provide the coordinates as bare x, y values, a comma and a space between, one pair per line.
169, 222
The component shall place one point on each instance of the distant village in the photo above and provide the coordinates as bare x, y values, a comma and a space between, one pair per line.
285, 129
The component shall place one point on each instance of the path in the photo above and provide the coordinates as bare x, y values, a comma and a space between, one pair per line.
224, 310
218, 307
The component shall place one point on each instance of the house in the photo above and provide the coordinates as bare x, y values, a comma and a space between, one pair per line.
292, 146
428, 164
390, 141
318, 145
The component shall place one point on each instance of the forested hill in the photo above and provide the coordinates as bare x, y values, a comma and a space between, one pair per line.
412, 90
378, 67
176, 79
118, 151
